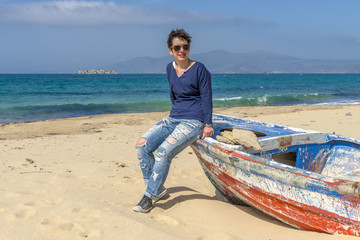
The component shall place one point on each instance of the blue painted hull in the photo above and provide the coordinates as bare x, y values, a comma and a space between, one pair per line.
307, 179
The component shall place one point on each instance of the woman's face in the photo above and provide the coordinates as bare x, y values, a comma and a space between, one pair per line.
181, 54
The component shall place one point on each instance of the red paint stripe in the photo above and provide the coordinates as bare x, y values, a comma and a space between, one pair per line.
294, 213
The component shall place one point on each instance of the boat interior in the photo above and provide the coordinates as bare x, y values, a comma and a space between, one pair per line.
312, 151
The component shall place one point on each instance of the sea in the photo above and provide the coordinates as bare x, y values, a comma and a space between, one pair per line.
36, 97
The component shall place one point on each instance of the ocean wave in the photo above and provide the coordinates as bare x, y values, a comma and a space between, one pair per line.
350, 102
228, 99
267, 99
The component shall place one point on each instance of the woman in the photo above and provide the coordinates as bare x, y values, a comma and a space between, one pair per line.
190, 118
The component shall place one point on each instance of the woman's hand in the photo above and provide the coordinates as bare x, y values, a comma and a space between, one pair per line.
207, 132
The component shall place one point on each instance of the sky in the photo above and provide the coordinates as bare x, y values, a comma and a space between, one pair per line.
66, 36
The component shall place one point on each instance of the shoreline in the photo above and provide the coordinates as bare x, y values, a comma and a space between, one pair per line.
73, 124
78, 178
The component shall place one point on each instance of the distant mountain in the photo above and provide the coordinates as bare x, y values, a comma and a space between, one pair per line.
221, 61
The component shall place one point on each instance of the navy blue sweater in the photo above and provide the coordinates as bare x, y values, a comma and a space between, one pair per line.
191, 93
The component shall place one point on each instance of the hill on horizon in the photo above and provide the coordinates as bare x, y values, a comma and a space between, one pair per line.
220, 61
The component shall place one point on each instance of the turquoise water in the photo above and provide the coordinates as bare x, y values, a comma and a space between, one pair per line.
33, 97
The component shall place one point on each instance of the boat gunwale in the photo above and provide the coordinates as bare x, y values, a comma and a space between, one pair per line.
331, 180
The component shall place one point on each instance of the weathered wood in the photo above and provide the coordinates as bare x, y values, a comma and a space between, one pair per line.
319, 192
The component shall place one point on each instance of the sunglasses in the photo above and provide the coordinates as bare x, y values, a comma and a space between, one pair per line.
178, 47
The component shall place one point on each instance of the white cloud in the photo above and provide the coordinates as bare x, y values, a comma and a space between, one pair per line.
90, 13
95, 13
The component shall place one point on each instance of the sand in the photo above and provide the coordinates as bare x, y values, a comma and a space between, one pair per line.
79, 179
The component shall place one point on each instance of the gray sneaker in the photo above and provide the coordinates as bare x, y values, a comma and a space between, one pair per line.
162, 193
144, 206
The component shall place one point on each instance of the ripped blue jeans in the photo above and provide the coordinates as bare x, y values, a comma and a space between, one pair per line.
168, 138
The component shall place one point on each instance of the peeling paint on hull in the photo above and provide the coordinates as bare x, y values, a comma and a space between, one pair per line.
300, 196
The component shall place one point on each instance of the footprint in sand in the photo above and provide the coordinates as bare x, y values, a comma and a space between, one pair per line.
72, 176
21, 194
131, 180
77, 210
45, 203
97, 186
60, 225
113, 203
166, 220
24, 211
216, 236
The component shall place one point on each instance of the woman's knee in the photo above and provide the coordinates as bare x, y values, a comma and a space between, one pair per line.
141, 150
141, 142
140, 147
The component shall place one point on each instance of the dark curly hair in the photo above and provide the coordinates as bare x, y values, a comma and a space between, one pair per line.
178, 33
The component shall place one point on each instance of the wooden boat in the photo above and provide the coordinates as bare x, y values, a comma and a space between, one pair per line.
307, 179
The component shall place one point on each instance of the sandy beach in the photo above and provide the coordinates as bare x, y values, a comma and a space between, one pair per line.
79, 178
